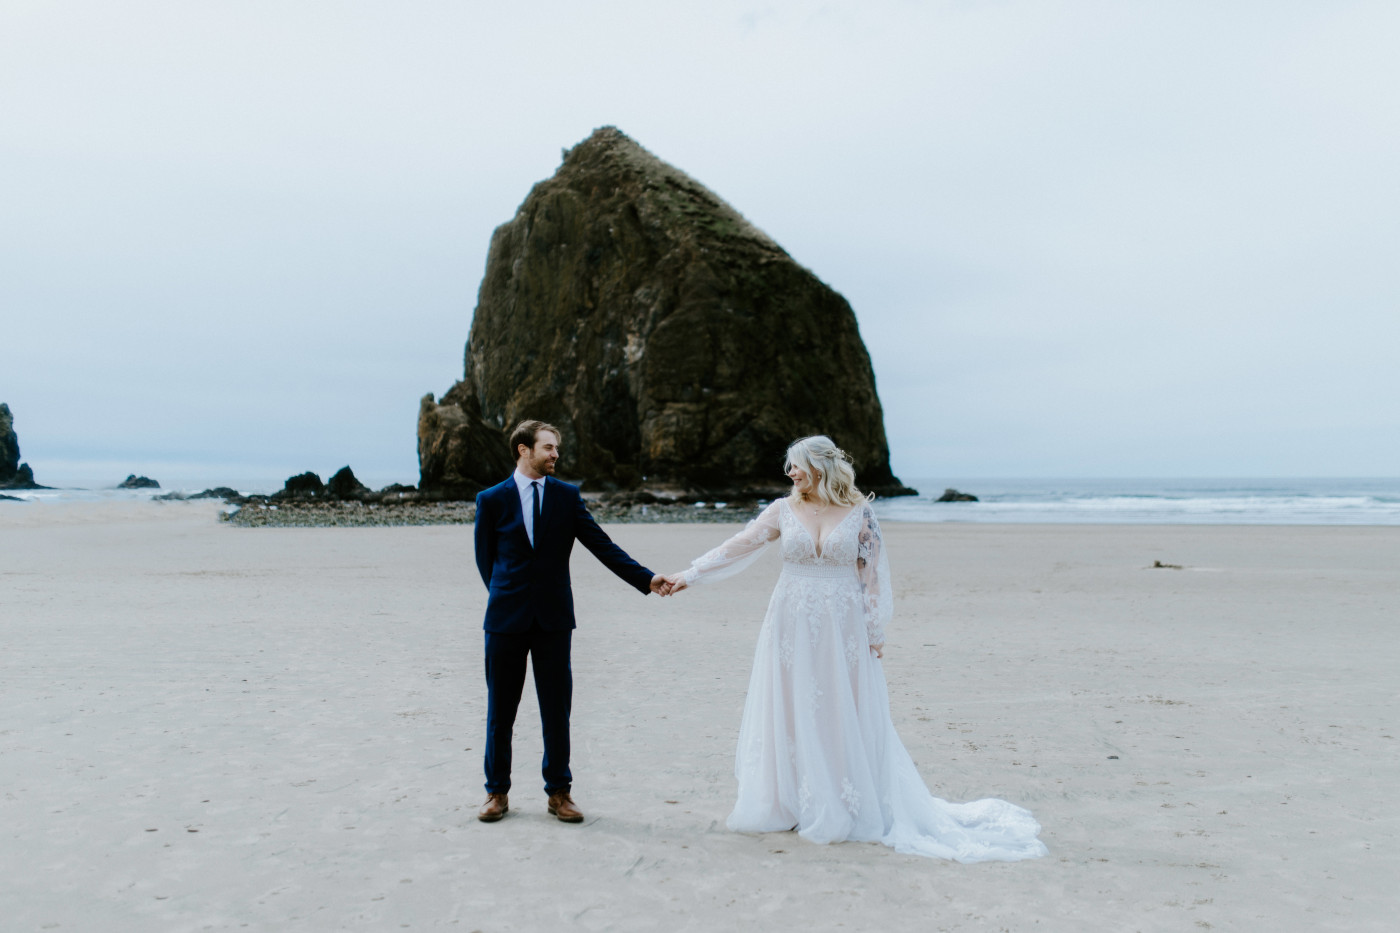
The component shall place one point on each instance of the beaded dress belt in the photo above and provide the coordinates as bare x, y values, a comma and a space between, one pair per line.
829, 571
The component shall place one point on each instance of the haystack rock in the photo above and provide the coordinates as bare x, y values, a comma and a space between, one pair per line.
674, 344
13, 474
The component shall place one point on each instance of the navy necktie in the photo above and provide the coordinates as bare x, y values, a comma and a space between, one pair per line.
535, 521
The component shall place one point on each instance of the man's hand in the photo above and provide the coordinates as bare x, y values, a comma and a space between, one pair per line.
660, 585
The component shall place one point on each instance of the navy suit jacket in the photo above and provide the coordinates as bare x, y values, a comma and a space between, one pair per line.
531, 584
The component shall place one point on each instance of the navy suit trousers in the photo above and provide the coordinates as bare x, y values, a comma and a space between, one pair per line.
554, 689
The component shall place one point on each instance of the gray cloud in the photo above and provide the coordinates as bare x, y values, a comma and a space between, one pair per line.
1081, 238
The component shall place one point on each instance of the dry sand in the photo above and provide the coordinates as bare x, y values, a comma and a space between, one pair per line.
209, 727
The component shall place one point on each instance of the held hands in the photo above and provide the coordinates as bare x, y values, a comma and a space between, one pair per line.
666, 584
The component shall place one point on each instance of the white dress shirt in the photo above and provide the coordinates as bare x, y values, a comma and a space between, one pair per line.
527, 502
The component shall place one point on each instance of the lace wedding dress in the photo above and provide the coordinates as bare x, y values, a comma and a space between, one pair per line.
817, 748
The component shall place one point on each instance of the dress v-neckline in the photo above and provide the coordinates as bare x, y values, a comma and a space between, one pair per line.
816, 545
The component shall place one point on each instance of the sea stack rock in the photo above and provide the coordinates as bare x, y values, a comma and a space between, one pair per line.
13, 474
673, 343
138, 482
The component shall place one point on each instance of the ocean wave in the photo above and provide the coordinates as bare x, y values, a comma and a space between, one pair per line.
1314, 502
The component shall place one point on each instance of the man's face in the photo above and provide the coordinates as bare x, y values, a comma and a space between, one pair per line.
541, 458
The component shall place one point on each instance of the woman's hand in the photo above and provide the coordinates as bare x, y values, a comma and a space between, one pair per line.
676, 582
878, 649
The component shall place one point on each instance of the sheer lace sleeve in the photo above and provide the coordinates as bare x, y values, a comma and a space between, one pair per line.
873, 568
739, 552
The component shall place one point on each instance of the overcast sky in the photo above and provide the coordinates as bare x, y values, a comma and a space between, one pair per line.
242, 239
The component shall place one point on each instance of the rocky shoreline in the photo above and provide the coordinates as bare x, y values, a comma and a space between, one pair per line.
265, 513
332, 514
306, 502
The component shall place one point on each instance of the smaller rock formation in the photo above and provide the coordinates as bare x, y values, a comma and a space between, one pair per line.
952, 495
138, 482
459, 453
302, 486
218, 492
344, 485
24, 479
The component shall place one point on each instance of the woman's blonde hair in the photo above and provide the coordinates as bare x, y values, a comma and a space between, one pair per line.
833, 477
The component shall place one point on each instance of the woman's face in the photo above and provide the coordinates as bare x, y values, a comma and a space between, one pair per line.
801, 479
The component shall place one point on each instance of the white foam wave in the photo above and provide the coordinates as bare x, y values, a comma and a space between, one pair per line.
1172, 504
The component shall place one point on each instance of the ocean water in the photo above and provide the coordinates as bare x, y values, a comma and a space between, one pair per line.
1235, 501
1318, 501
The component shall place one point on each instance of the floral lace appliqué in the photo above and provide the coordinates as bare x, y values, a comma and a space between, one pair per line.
850, 796
853, 649
786, 649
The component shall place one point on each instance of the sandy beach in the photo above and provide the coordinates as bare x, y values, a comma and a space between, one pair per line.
217, 728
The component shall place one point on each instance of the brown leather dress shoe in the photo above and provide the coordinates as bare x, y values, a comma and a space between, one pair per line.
495, 807
562, 806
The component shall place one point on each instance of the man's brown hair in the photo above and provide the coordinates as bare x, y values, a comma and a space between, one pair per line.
525, 432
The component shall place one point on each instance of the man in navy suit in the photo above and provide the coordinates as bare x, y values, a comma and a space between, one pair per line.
525, 530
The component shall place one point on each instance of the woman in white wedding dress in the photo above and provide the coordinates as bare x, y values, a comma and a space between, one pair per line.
818, 751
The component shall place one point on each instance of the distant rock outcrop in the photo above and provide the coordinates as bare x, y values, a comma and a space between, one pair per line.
344, 485
302, 486
952, 495
13, 474
672, 342
218, 492
138, 482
